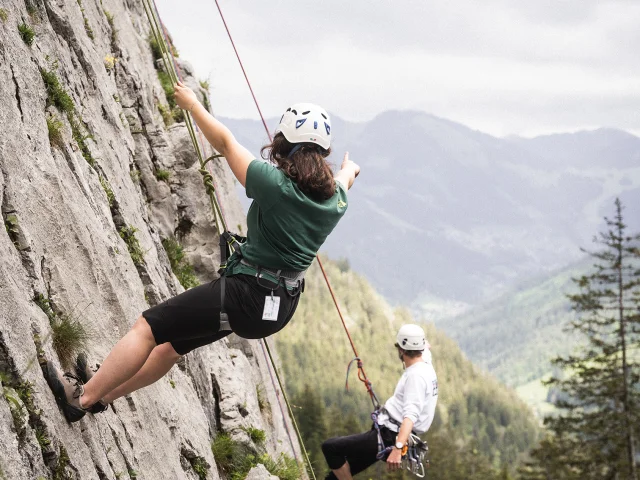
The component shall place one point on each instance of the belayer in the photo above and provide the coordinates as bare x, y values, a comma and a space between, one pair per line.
410, 410
297, 202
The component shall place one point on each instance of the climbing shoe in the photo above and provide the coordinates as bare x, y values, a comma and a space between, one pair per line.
85, 372
67, 389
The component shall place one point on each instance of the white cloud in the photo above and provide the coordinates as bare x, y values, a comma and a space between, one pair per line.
501, 66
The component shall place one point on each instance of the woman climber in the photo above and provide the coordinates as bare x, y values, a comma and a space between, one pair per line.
297, 202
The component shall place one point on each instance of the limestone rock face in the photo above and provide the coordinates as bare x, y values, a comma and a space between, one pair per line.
90, 185
260, 473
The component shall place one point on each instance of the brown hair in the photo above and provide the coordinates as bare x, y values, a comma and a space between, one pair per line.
409, 353
307, 166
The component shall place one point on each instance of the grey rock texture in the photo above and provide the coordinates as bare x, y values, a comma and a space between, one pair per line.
70, 184
260, 473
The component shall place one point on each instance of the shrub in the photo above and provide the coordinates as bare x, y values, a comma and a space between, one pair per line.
27, 33
256, 435
235, 459
200, 466
181, 268
3, 15
128, 234
54, 126
285, 468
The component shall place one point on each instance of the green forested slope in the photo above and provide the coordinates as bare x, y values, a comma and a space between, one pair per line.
480, 424
516, 336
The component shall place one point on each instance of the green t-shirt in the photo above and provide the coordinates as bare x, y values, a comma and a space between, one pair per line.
285, 227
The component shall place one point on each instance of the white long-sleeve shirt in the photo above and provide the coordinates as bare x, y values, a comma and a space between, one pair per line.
415, 397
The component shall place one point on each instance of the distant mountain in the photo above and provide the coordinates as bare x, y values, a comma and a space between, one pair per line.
444, 216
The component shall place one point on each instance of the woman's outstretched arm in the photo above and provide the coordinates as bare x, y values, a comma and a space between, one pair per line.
218, 135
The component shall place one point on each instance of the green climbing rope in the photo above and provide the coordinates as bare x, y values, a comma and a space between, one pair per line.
167, 60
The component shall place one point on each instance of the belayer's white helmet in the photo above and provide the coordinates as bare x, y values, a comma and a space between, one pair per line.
411, 337
306, 123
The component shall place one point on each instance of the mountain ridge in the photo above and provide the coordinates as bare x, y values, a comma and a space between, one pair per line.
476, 213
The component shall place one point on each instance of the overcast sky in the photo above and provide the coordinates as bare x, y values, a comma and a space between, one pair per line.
500, 66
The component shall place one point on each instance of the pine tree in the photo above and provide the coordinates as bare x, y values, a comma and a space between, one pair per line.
595, 436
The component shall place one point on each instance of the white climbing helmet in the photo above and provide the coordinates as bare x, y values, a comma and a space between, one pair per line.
411, 337
306, 122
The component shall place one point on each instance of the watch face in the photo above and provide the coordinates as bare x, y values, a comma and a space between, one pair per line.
399, 445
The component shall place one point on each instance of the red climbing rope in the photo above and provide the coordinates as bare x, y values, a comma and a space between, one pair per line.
362, 376
243, 70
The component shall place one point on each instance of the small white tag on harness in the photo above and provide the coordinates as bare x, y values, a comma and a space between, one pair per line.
271, 307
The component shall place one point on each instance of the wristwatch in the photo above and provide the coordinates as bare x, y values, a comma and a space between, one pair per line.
399, 445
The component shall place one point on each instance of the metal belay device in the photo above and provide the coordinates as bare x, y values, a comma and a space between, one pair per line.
414, 460
413, 453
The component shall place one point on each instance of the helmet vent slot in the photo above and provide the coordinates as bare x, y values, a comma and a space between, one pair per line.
324, 116
306, 113
294, 112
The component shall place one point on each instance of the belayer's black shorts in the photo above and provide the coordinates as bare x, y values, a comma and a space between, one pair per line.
192, 319
360, 450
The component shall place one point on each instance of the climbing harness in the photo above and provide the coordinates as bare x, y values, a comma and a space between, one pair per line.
413, 453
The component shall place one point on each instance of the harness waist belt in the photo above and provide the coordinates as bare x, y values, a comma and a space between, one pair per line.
291, 278
393, 421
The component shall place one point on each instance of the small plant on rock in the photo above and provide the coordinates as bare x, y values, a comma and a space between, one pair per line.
128, 234
181, 268
56, 94
114, 31
111, 198
165, 112
135, 175
285, 468
54, 126
178, 114
3, 15
27, 33
163, 175
167, 86
11, 226
77, 131
69, 337
256, 435
156, 49
110, 63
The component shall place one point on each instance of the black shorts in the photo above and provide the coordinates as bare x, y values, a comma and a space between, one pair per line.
192, 319
359, 450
